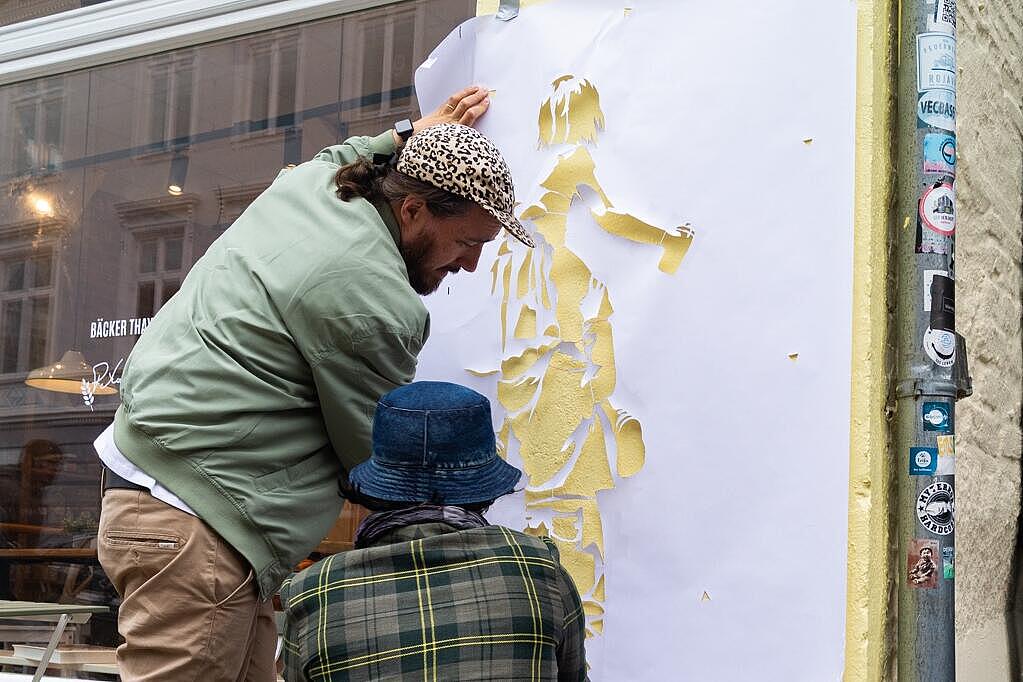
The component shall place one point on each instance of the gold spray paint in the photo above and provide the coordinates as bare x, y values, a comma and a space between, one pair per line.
557, 394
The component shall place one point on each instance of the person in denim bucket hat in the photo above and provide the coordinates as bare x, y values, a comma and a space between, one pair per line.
434, 442
431, 587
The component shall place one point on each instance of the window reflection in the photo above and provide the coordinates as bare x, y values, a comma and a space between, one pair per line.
39, 115
93, 242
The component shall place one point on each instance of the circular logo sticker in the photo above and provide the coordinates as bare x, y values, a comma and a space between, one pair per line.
923, 459
937, 209
935, 507
948, 150
935, 417
940, 346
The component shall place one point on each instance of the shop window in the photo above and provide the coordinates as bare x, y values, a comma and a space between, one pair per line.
114, 242
25, 309
38, 116
170, 100
273, 81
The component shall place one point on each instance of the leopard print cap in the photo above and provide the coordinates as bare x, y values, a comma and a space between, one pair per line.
460, 160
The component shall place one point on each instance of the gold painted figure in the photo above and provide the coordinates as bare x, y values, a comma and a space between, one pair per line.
573, 441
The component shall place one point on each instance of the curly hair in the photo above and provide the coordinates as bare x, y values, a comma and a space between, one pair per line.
382, 182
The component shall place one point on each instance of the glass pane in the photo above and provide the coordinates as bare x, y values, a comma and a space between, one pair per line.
25, 139
42, 270
27, 121
39, 332
172, 253
53, 113
170, 287
147, 255
373, 62
260, 89
183, 104
146, 294
402, 66
287, 72
158, 107
14, 275
12, 336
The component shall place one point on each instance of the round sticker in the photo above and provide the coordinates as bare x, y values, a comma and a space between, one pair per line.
940, 346
935, 417
937, 209
923, 459
935, 507
948, 150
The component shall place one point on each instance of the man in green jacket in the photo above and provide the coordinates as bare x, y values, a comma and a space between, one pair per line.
250, 395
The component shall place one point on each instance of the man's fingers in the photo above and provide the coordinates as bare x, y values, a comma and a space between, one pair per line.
456, 99
468, 101
472, 113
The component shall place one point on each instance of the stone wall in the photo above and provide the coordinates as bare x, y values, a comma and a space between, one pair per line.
989, 194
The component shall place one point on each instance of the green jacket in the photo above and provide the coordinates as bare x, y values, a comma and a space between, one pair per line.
256, 383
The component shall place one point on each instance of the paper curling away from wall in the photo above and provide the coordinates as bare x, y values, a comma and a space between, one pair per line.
677, 398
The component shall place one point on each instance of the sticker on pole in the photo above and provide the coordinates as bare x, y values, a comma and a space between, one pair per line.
931, 242
948, 554
940, 339
922, 569
929, 276
941, 16
940, 346
946, 456
940, 153
935, 508
937, 108
937, 208
935, 62
937, 417
923, 461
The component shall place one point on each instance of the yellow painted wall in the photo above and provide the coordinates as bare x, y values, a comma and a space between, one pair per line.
869, 650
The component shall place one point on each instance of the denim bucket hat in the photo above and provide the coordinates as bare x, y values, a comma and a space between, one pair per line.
434, 442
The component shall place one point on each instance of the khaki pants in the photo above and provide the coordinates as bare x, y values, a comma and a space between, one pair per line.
191, 607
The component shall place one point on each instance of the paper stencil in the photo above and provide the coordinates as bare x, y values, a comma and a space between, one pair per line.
572, 437
638, 359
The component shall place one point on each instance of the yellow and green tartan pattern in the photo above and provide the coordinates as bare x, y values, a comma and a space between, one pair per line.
482, 604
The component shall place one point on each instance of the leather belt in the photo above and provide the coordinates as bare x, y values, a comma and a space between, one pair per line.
113, 480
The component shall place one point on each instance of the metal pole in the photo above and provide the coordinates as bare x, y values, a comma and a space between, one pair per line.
930, 357
58, 632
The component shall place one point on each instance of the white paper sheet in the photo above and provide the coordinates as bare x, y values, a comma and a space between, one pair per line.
743, 492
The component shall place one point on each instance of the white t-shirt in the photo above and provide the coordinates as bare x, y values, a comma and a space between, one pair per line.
123, 467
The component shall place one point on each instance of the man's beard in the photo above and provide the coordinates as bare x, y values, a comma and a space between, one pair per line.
424, 280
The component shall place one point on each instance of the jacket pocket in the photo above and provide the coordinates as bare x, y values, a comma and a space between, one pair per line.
289, 475
163, 542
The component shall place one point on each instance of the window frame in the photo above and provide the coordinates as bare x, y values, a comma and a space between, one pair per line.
172, 67
49, 153
118, 30
25, 252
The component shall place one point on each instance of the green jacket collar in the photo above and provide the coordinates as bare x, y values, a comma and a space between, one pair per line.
387, 215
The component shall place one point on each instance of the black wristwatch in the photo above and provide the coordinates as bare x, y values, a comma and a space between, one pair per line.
404, 129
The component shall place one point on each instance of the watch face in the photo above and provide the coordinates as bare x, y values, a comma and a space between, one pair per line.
404, 129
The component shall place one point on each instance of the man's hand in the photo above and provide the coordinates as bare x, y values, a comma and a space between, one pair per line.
465, 107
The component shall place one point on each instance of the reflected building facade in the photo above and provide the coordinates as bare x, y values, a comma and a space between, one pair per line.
114, 180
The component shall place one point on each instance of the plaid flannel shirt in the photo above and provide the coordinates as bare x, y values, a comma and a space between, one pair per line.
427, 602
